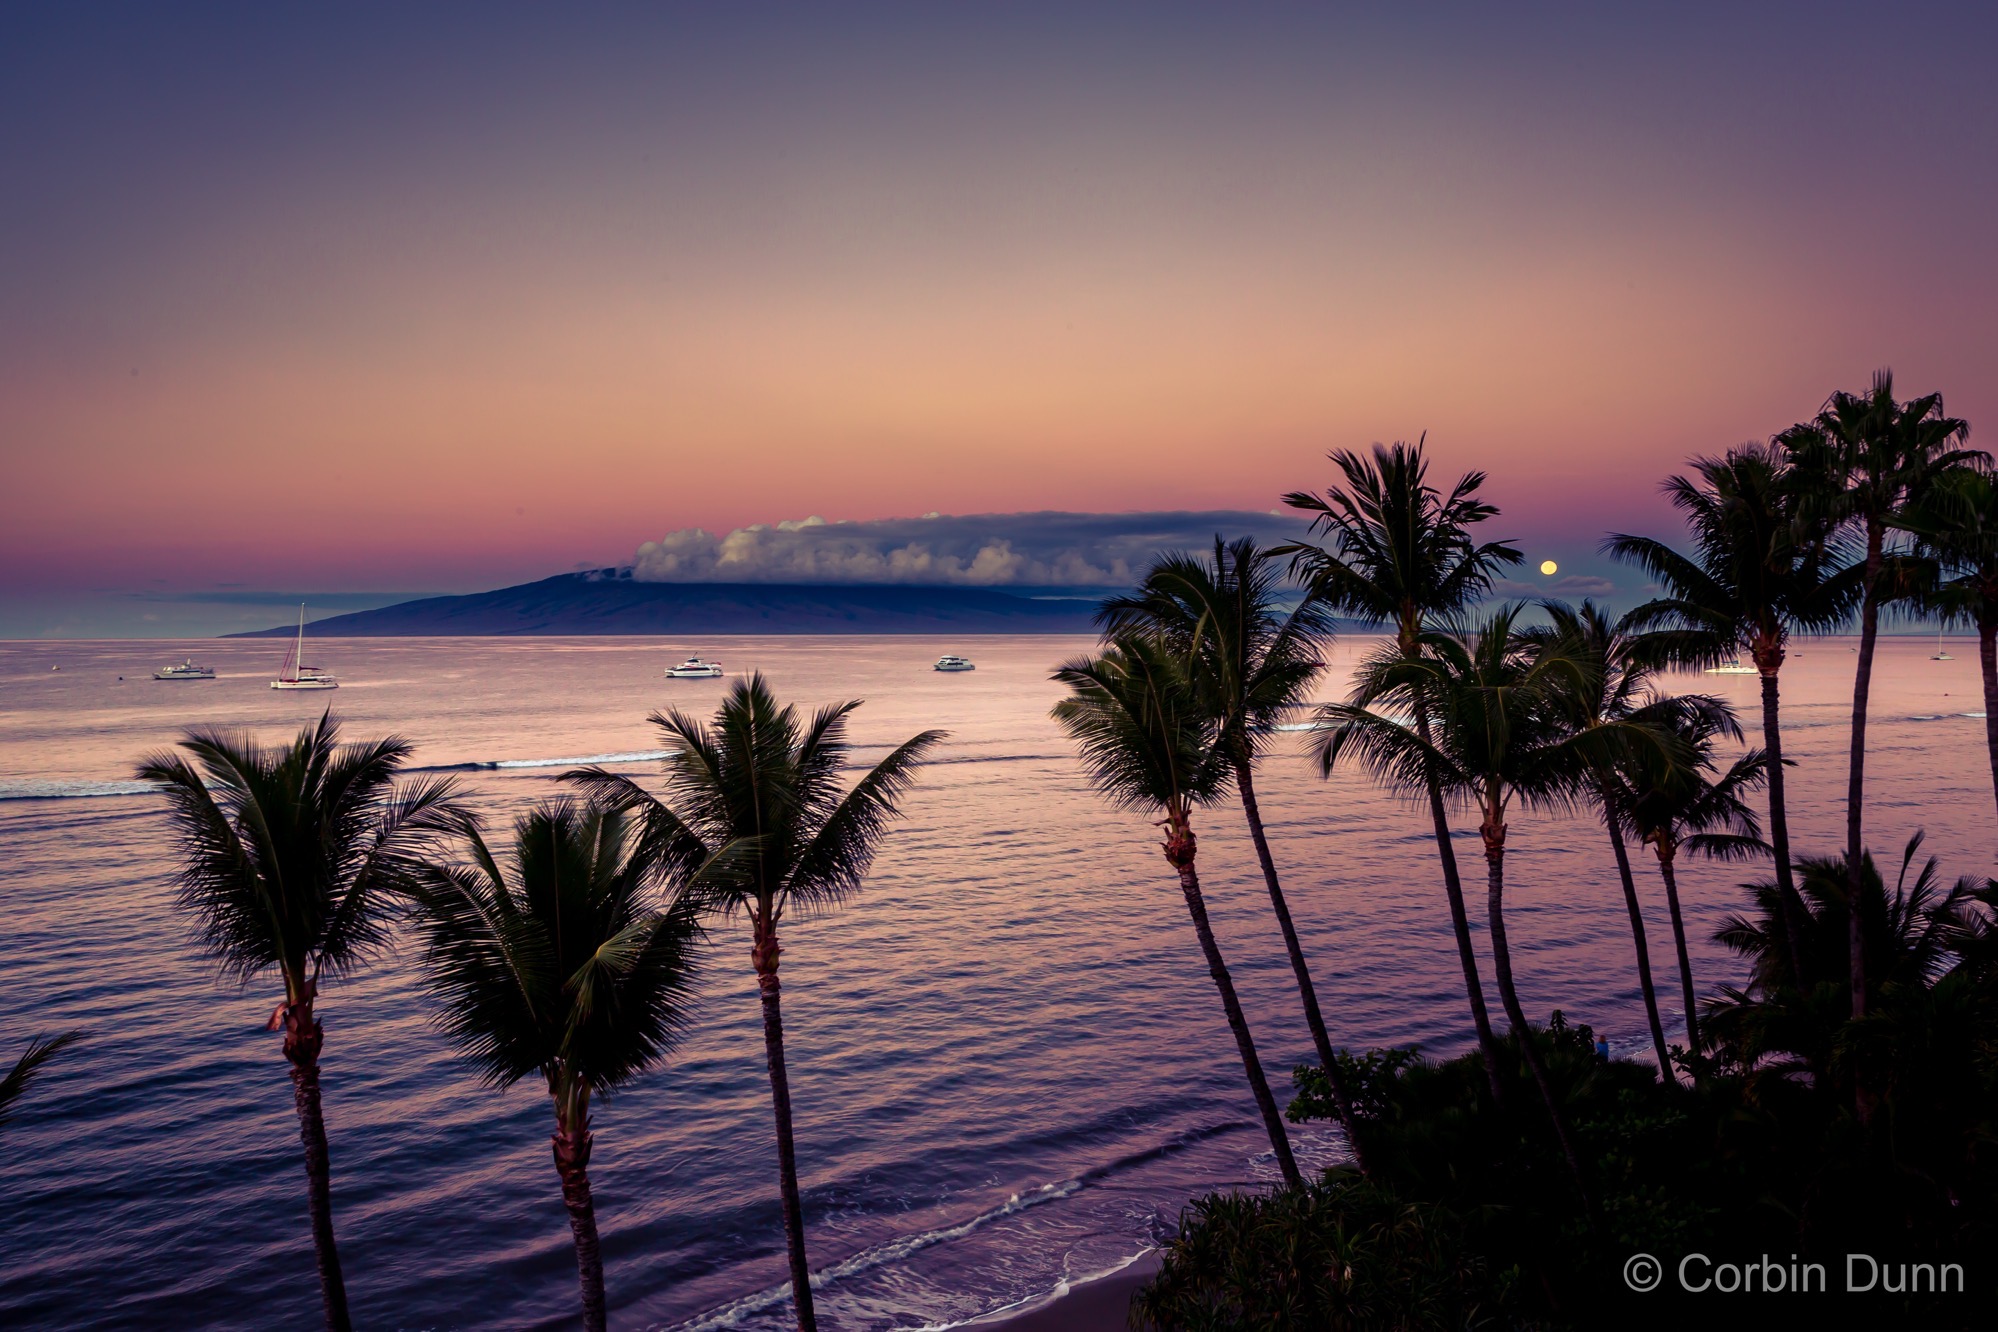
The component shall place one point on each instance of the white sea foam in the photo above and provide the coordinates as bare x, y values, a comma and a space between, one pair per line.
1064, 1286
732, 1314
71, 790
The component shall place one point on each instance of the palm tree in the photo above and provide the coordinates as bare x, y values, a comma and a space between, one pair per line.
557, 961
1956, 524
1681, 804
1762, 568
756, 822
1614, 682
1909, 937
39, 1052
1150, 745
1399, 552
1250, 665
1868, 456
286, 853
1497, 736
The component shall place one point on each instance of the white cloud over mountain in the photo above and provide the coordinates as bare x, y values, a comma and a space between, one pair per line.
1046, 549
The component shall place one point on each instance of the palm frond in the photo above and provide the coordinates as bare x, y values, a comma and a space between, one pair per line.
40, 1050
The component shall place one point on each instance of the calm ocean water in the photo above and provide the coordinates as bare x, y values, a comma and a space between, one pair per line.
1008, 1062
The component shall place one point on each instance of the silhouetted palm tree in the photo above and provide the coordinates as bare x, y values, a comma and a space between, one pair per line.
1762, 568
286, 855
1615, 682
755, 820
558, 961
1956, 525
1867, 456
1250, 665
1399, 552
39, 1052
1149, 745
1678, 803
1909, 936
1498, 735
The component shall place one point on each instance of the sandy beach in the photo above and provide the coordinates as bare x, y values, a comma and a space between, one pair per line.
1096, 1306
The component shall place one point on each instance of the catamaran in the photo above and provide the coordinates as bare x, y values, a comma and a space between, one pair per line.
949, 663
1732, 667
294, 674
1940, 654
693, 668
185, 670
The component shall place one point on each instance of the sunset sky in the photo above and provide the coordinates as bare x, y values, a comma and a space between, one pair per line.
360, 301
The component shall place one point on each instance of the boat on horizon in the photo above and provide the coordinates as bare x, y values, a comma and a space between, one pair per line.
693, 668
185, 670
294, 674
950, 663
1732, 667
1941, 655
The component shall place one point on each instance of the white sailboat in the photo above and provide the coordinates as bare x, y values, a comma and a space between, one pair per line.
294, 674
1940, 654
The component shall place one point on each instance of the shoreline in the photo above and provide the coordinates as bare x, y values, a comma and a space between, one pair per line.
1100, 1304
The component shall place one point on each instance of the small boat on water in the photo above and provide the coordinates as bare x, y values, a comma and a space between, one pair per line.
950, 663
693, 668
1733, 667
1941, 655
294, 674
185, 670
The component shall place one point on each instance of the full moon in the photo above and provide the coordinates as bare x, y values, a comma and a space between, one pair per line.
1548, 566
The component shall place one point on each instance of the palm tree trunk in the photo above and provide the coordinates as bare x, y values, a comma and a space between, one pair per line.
1987, 659
1179, 852
1665, 872
766, 953
1779, 822
1306, 992
1460, 922
572, 1162
1637, 940
1855, 787
302, 1041
1523, 1032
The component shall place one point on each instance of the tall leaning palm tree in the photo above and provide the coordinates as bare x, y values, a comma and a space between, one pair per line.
288, 854
757, 822
1250, 665
1499, 737
1615, 681
1763, 566
1399, 552
1956, 524
559, 961
1686, 804
1150, 745
1868, 457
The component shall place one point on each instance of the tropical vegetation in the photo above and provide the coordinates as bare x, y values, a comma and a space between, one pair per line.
291, 859
756, 821
1835, 1092
561, 959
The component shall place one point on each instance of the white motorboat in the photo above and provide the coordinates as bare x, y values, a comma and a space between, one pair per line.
294, 674
185, 670
949, 663
693, 668
1732, 668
